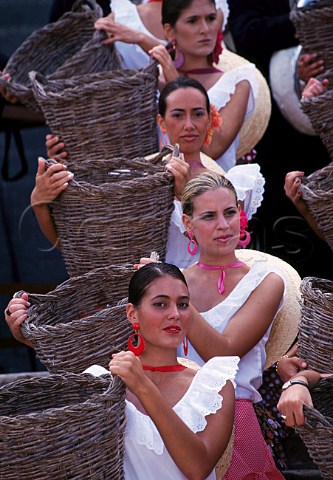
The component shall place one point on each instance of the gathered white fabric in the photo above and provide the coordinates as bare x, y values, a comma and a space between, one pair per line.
132, 55
249, 376
145, 454
249, 184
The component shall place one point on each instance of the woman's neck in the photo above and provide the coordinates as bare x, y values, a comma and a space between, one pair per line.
157, 357
196, 166
217, 260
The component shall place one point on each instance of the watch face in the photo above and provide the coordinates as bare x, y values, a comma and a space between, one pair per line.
286, 385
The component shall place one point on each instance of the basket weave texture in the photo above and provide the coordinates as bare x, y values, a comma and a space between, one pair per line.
46, 49
317, 432
317, 192
61, 427
315, 329
313, 25
82, 322
120, 215
104, 114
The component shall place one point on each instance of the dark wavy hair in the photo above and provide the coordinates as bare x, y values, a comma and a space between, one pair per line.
172, 9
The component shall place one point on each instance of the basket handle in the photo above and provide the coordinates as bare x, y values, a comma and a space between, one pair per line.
87, 5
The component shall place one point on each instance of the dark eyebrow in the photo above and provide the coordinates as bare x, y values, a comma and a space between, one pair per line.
166, 296
183, 109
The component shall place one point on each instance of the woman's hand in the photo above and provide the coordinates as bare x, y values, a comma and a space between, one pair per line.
128, 367
308, 66
117, 32
144, 261
181, 171
287, 367
18, 310
161, 54
292, 183
291, 404
314, 88
55, 148
4, 92
49, 183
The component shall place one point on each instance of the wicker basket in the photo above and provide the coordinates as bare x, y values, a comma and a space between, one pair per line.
102, 115
315, 329
61, 427
46, 49
313, 25
80, 323
121, 215
317, 192
317, 433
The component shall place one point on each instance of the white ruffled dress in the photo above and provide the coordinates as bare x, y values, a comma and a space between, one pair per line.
249, 184
251, 365
145, 454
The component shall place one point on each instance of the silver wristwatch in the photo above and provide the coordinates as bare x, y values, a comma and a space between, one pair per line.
294, 382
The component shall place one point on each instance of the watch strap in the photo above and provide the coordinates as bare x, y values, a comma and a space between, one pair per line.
294, 382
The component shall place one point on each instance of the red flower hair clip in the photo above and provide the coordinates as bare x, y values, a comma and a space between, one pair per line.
215, 123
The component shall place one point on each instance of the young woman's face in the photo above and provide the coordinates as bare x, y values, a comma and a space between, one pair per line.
186, 119
164, 313
196, 29
215, 222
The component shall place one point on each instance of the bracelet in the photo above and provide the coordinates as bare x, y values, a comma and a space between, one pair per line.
277, 363
294, 382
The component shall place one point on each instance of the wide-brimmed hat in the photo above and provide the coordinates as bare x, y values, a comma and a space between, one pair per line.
285, 326
255, 126
286, 89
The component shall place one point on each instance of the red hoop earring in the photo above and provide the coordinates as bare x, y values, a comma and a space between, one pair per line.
136, 343
244, 236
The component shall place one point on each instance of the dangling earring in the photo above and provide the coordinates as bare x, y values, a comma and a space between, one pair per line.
185, 346
192, 245
164, 140
244, 236
136, 343
176, 55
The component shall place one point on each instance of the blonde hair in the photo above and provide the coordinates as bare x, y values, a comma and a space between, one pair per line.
205, 182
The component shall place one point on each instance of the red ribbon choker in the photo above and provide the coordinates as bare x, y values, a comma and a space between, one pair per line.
166, 368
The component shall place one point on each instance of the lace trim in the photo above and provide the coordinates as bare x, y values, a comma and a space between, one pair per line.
201, 399
249, 184
240, 294
223, 5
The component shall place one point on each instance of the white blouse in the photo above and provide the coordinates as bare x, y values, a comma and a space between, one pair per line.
249, 376
145, 454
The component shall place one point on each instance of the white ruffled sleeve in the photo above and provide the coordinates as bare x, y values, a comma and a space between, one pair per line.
203, 397
249, 184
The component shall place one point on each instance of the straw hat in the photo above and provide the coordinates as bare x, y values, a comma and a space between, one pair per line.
285, 326
255, 126
283, 82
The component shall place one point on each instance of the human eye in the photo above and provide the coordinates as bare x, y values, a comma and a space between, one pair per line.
183, 305
199, 114
230, 212
191, 20
212, 17
207, 216
159, 304
177, 115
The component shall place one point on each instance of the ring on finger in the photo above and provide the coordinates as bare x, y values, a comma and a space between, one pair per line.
8, 312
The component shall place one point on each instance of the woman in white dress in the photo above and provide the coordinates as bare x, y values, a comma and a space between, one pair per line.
179, 420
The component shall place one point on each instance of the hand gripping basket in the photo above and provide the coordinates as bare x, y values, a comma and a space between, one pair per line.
104, 114
116, 213
82, 322
46, 49
315, 338
61, 427
317, 192
313, 25
317, 432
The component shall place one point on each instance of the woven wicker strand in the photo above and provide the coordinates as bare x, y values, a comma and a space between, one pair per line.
120, 217
64, 426
313, 25
81, 322
317, 432
46, 49
104, 114
315, 338
317, 192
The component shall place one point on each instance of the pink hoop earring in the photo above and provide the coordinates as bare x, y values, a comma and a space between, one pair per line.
192, 245
185, 346
136, 343
164, 140
176, 55
244, 236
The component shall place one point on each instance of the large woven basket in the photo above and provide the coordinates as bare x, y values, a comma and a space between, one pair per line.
316, 326
101, 115
82, 322
317, 432
319, 109
317, 192
64, 426
313, 25
119, 212
46, 49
